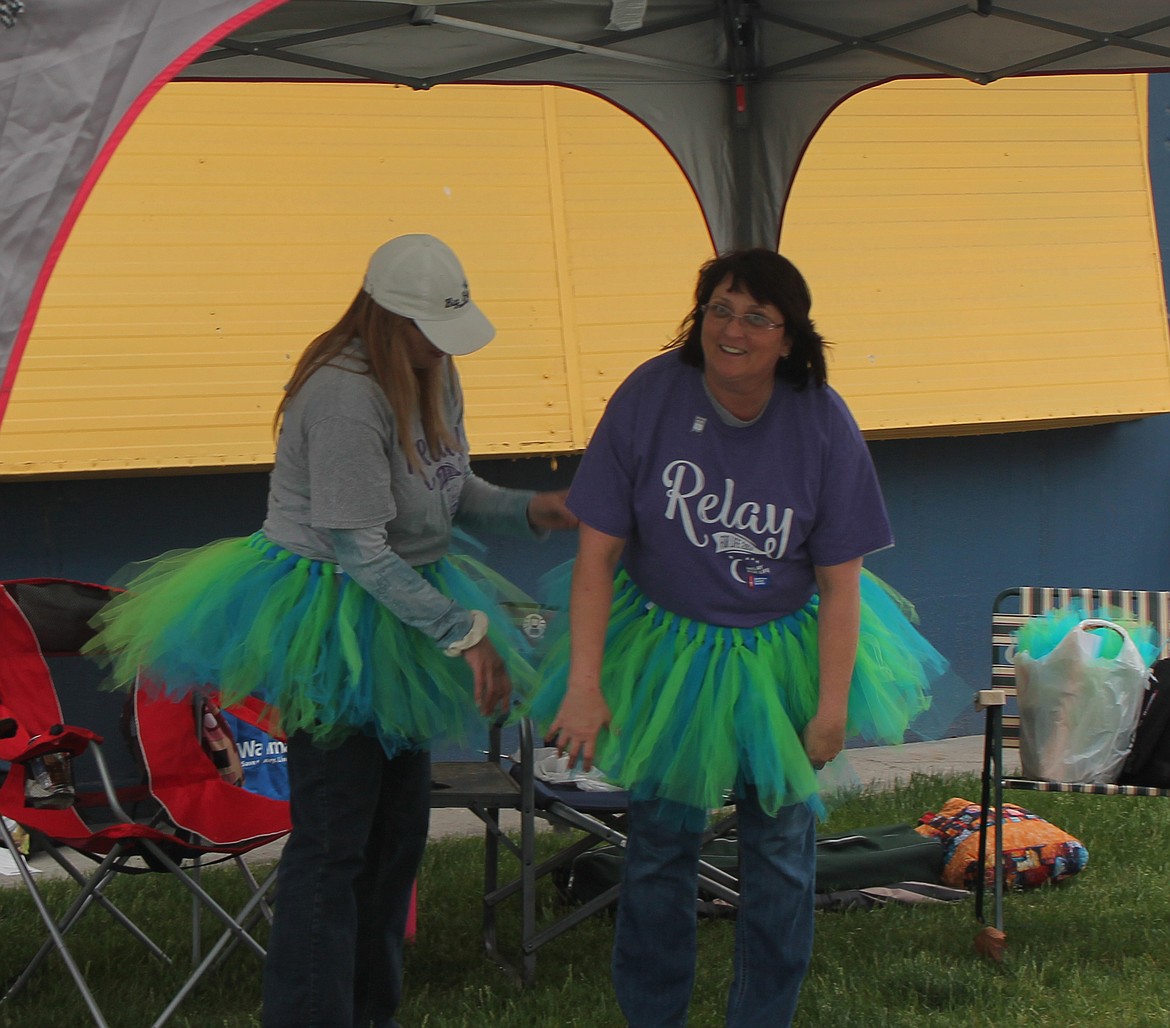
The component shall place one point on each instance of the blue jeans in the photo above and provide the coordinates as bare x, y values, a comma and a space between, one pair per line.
343, 892
654, 941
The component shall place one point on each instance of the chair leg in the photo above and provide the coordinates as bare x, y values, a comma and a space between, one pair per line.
991, 798
204, 898
993, 793
100, 899
55, 934
493, 893
998, 793
248, 915
575, 917
91, 892
196, 873
262, 910
528, 882
491, 875
525, 854
718, 883
984, 806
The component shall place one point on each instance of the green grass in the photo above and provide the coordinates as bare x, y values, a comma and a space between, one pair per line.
1090, 952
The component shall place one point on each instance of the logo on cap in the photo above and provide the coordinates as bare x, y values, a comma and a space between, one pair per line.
455, 302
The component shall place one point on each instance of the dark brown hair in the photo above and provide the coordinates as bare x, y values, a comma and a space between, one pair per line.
768, 278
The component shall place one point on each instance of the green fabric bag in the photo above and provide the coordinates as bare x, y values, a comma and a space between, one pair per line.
865, 858
871, 857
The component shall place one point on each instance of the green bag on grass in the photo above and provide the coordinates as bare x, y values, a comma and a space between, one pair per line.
871, 857
861, 859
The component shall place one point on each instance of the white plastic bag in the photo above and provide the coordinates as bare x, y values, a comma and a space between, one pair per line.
1079, 710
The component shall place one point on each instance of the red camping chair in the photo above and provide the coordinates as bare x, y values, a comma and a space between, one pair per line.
148, 797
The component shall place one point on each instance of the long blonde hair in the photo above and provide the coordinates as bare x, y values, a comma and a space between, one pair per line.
408, 390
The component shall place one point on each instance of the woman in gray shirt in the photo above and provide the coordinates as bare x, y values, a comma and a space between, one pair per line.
346, 613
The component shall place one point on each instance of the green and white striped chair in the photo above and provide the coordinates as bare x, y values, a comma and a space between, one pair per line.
1012, 609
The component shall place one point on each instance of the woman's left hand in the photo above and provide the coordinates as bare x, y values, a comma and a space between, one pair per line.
823, 739
493, 687
548, 511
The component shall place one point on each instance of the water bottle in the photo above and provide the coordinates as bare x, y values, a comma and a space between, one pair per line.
221, 750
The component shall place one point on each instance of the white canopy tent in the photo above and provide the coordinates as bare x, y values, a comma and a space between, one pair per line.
734, 89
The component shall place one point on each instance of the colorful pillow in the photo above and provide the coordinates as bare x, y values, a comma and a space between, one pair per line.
1035, 851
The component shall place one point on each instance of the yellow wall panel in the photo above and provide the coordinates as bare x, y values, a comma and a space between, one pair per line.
988, 271
982, 258
234, 222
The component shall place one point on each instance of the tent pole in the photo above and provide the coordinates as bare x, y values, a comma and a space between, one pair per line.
741, 22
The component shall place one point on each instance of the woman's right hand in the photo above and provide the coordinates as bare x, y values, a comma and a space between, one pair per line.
584, 712
493, 687
574, 731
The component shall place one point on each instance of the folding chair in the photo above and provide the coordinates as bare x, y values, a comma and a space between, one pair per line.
489, 786
1012, 609
148, 796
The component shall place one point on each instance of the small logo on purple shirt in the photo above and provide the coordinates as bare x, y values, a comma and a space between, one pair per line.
752, 573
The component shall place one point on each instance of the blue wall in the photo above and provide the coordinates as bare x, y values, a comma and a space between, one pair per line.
1160, 163
975, 515
88, 529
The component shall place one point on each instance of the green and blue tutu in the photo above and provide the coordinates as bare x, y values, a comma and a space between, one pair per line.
698, 710
244, 617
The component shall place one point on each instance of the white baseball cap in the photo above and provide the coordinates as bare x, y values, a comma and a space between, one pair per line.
420, 278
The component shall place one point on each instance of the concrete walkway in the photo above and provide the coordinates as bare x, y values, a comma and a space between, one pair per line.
878, 766
870, 768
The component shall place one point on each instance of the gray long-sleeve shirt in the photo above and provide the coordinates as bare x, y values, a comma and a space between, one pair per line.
342, 491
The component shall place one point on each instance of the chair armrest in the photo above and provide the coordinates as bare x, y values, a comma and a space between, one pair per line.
68, 738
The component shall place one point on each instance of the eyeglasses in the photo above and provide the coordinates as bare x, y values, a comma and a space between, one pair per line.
752, 322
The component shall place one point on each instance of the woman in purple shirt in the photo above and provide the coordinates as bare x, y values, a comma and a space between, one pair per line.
724, 639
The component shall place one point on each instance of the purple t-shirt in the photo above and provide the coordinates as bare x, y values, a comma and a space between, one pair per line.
724, 523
